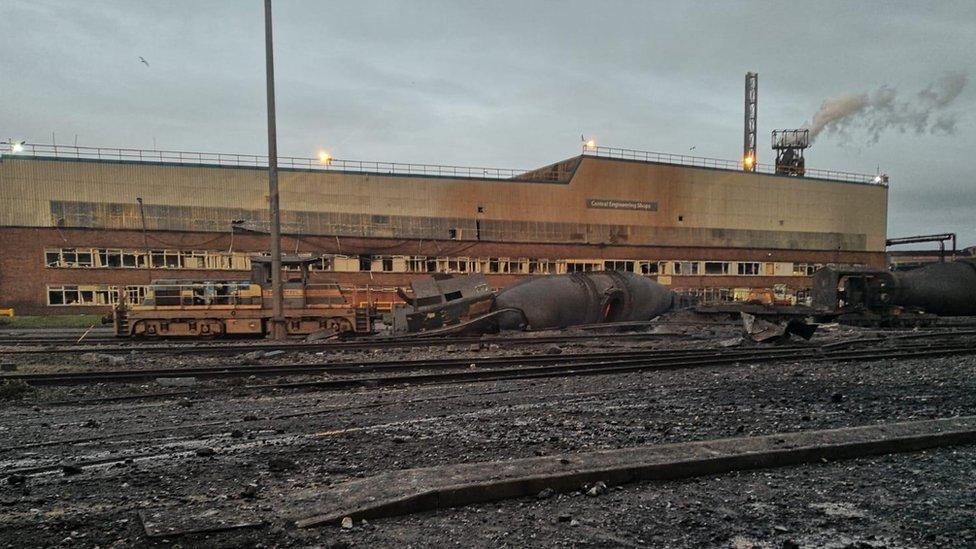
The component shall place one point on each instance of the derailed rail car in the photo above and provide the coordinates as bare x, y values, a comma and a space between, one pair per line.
212, 308
466, 304
559, 301
943, 289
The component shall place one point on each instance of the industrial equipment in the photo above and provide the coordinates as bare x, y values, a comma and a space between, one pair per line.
789, 146
195, 308
749, 159
449, 304
558, 301
944, 289
940, 238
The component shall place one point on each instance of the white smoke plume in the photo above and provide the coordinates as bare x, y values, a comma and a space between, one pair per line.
883, 110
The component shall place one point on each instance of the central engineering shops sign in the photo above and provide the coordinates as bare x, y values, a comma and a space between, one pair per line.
610, 204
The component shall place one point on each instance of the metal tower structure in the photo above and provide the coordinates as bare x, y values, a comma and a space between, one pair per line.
751, 112
789, 146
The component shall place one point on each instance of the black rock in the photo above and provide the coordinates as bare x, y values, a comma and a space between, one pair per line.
205, 452
236, 433
564, 518
546, 494
250, 491
69, 470
281, 464
16, 479
836, 397
790, 544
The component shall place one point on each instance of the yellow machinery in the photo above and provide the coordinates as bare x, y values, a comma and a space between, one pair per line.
209, 308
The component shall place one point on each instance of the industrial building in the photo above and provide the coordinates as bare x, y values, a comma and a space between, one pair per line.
77, 223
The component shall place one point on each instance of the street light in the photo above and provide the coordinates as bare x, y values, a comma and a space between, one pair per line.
16, 146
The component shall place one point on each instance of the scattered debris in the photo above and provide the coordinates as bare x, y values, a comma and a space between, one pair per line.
176, 381
100, 359
839, 509
14, 389
733, 342
597, 489
321, 335
553, 350
761, 331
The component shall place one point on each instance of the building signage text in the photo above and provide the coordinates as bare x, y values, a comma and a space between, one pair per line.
607, 203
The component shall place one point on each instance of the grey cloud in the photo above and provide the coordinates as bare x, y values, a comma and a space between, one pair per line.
506, 83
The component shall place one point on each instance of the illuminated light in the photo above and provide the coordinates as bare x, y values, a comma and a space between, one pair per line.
325, 158
748, 161
17, 146
591, 144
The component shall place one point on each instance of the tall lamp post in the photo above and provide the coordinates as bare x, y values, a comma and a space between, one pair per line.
278, 320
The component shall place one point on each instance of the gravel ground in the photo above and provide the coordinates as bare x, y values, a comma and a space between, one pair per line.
203, 449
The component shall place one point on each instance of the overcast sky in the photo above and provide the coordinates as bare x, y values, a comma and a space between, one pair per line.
506, 84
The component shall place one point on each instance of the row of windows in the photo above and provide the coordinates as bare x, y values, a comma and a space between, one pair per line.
116, 258
92, 294
107, 294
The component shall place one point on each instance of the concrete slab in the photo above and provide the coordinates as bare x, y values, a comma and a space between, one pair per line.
416, 490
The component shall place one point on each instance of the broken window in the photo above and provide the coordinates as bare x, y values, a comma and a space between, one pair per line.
685, 267
92, 294
618, 266
749, 268
52, 258
716, 267
649, 267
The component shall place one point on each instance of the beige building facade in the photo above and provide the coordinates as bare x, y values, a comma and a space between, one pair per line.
589, 212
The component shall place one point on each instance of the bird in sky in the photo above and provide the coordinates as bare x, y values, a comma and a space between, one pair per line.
692, 148
143, 59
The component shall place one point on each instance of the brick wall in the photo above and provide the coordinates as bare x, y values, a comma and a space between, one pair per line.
24, 277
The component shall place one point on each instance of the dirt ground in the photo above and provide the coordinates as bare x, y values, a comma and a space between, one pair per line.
78, 474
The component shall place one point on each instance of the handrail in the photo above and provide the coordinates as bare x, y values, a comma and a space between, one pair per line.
725, 164
37, 150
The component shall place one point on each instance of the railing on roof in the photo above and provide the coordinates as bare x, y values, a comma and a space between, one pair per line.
33, 150
723, 164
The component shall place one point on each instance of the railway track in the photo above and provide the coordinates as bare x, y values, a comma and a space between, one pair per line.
363, 344
493, 368
111, 345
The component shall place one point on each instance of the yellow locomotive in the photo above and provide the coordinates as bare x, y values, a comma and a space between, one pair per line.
211, 308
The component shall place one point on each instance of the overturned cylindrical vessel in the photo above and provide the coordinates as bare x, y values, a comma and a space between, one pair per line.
944, 289
558, 301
